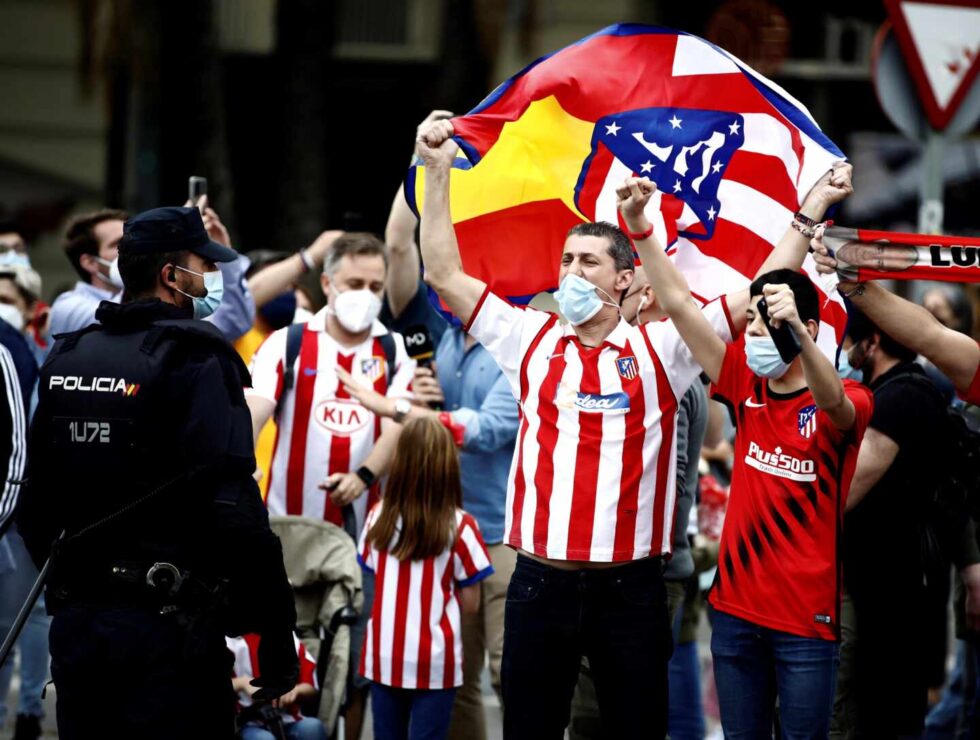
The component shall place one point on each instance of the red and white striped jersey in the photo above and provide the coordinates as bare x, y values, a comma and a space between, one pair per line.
321, 429
594, 468
413, 639
246, 652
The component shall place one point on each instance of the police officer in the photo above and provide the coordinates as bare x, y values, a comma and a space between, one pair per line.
141, 453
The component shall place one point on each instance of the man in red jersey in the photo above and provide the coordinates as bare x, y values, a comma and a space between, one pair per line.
776, 598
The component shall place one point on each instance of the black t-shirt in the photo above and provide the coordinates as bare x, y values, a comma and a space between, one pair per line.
882, 540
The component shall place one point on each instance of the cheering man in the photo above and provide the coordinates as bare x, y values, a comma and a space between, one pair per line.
777, 595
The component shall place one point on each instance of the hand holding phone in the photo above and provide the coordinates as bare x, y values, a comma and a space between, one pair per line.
783, 337
197, 188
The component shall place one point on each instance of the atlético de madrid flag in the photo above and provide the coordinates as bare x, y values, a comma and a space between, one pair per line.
733, 156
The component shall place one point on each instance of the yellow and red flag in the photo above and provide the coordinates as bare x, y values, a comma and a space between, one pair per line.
732, 154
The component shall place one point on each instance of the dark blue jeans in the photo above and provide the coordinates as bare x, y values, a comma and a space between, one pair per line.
754, 665
617, 617
686, 716
411, 714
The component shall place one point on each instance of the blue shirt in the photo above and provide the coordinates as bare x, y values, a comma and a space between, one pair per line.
236, 314
480, 400
75, 309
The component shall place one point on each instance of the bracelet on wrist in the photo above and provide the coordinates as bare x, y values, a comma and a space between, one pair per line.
641, 236
858, 290
805, 220
366, 476
305, 259
807, 231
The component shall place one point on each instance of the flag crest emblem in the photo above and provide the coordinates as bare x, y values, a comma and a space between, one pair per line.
683, 150
626, 367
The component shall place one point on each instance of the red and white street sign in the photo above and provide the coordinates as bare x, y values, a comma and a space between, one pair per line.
940, 41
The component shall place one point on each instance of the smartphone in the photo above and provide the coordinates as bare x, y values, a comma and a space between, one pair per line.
784, 337
197, 188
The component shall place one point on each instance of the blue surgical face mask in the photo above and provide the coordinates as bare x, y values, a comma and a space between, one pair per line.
578, 301
763, 358
846, 370
13, 257
214, 285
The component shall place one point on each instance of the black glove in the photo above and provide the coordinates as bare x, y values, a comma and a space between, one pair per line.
278, 666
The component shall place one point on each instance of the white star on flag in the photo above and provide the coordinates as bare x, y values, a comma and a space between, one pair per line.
733, 129
646, 166
711, 212
677, 186
612, 128
675, 122
716, 167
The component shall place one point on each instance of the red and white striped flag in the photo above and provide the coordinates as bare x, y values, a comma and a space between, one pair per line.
732, 153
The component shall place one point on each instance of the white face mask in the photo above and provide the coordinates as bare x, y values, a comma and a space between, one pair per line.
356, 310
12, 316
114, 278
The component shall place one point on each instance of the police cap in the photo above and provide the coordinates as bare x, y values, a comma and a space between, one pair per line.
172, 230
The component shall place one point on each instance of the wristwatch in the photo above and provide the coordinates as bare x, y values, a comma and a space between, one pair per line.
367, 476
403, 408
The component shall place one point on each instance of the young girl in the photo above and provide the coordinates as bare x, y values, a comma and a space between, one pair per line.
427, 555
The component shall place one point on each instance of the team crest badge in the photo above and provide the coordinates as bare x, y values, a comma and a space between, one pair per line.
685, 151
373, 368
806, 421
626, 367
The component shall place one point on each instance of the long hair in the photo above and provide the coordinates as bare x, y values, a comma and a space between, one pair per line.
424, 490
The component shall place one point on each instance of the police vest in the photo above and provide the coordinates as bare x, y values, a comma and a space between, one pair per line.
111, 406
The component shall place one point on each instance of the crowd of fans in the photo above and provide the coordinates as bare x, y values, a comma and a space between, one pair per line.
377, 415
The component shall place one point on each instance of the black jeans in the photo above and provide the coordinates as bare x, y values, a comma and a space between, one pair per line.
132, 673
617, 617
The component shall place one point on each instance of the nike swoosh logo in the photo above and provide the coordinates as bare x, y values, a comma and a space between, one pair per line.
752, 405
309, 372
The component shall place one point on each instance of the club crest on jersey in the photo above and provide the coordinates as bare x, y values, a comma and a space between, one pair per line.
626, 367
372, 368
806, 421
341, 416
611, 403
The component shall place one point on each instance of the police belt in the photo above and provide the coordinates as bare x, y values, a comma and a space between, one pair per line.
158, 585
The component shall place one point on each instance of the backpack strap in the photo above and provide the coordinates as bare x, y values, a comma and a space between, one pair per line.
388, 347
294, 341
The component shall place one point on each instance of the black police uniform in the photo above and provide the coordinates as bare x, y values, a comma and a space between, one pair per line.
141, 452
